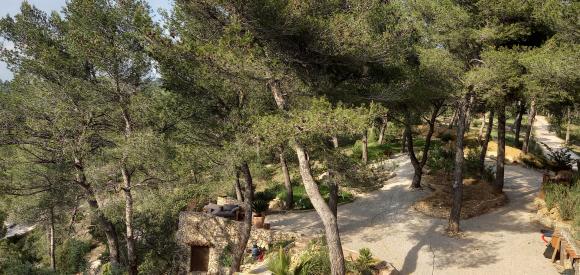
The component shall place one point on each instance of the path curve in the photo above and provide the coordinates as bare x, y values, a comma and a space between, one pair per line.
542, 134
503, 241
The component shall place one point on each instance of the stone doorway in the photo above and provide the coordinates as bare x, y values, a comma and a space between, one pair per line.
199, 260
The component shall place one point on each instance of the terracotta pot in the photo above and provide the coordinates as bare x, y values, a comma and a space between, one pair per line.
258, 220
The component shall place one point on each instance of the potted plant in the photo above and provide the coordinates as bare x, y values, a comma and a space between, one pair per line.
259, 208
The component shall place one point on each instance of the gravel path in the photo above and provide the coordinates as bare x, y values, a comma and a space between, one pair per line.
504, 241
542, 134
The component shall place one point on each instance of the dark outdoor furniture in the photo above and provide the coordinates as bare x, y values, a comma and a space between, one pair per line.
230, 211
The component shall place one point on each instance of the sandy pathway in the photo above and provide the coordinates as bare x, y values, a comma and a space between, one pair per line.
542, 134
505, 241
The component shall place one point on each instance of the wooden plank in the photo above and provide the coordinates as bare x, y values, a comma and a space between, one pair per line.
556, 249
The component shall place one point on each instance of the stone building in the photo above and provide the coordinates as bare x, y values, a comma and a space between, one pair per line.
203, 238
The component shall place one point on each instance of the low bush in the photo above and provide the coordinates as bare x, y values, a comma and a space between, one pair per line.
71, 256
279, 263
315, 260
440, 159
362, 265
567, 199
302, 201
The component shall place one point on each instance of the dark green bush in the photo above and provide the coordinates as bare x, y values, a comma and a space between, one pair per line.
301, 200
71, 256
315, 261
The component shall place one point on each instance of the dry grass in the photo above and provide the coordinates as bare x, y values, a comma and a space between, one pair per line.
478, 197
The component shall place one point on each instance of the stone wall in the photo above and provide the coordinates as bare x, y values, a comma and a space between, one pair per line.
202, 229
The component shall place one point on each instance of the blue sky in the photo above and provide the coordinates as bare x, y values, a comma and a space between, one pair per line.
13, 6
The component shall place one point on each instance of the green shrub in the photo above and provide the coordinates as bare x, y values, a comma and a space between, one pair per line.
279, 263
108, 269
71, 256
440, 159
302, 201
259, 206
565, 198
226, 257
363, 263
315, 260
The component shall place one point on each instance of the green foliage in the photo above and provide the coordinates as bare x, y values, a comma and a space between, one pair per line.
279, 263
440, 159
302, 201
225, 258
376, 151
20, 257
315, 260
561, 158
71, 256
259, 206
108, 269
362, 265
567, 199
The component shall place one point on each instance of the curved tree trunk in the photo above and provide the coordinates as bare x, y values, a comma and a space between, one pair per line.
531, 118
414, 161
455, 215
246, 228
289, 203
418, 165
499, 170
518, 122
382, 130
328, 219
365, 149
106, 225
485, 143
238, 187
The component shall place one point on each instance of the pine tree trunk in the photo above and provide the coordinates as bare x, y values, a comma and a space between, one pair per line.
567, 141
468, 114
328, 219
289, 203
404, 140
485, 143
51, 243
518, 122
106, 225
365, 149
274, 86
238, 187
333, 194
131, 251
416, 183
531, 118
246, 229
127, 191
382, 131
480, 136
453, 119
455, 215
499, 170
